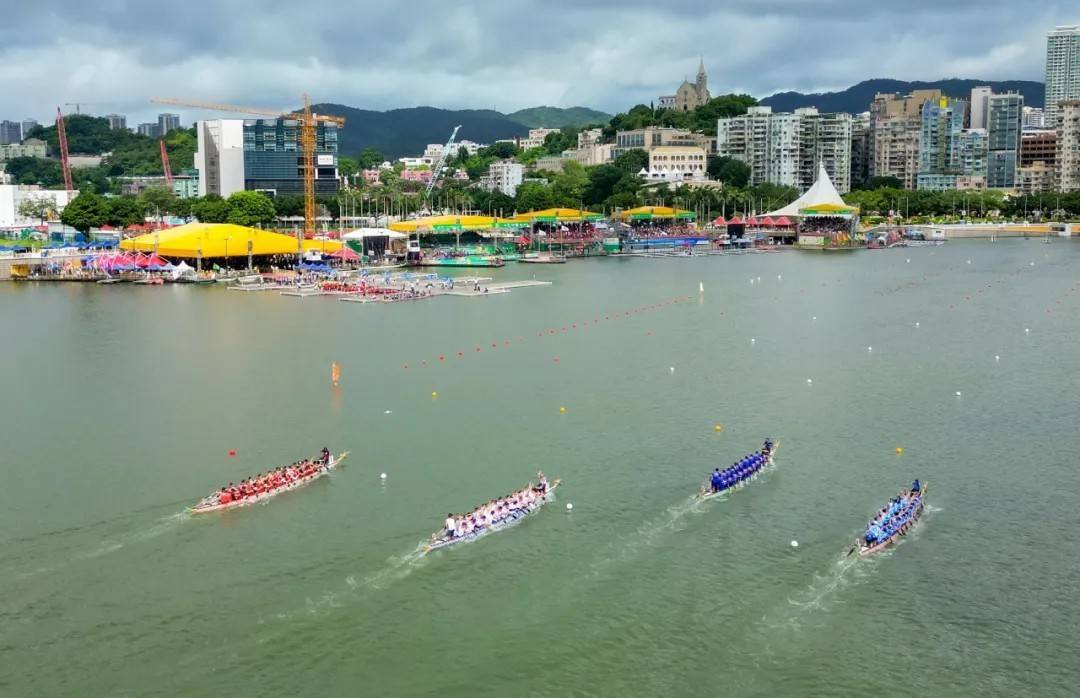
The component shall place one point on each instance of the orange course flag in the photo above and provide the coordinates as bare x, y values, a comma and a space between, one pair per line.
335, 373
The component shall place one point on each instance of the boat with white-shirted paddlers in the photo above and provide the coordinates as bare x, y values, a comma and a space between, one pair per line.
739, 473
492, 516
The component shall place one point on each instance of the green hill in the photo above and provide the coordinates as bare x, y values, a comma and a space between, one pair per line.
556, 117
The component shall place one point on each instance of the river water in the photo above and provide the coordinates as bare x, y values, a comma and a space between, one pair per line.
121, 405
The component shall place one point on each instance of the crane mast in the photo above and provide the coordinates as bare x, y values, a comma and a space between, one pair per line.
437, 170
165, 164
65, 161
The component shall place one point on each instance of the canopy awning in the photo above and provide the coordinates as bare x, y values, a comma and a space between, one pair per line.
361, 233
645, 213
556, 215
822, 193
220, 239
447, 223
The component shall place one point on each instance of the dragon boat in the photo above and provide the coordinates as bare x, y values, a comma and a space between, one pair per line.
733, 480
322, 468
441, 539
894, 521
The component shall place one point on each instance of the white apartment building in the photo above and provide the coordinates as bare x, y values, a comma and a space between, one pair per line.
1033, 117
1062, 69
1068, 146
786, 149
980, 106
505, 176
677, 162
12, 195
536, 137
219, 156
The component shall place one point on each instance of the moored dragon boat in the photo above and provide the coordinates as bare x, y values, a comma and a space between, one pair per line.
226, 499
740, 473
893, 520
468, 527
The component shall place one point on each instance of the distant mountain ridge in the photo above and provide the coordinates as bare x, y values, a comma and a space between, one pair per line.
402, 132
857, 98
557, 117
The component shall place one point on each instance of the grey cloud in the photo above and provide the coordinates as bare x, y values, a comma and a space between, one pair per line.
508, 54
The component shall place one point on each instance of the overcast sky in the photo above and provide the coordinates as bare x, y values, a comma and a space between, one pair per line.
506, 54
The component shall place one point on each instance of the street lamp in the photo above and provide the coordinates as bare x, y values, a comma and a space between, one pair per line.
227, 253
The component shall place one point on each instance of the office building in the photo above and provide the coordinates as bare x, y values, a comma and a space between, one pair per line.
219, 156
10, 132
896, 123
28, 125
1038, 146
13, 195
1037, 178
1034, 117
29, 148
148, 129
1004, 116
167, 122
980, 98
677, 162
1068, 146
273, 157
654, 137
536, 137
950, 156
117, 122
787, 149
1062, 69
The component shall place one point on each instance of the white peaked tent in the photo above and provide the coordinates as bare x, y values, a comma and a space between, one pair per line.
821, 193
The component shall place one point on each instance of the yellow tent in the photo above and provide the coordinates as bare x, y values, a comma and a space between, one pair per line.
556, 215
218, 239
651, 212
440, 223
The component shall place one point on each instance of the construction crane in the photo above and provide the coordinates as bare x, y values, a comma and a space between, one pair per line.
65, 161
308, 122
437, 170
78, 105
165, 164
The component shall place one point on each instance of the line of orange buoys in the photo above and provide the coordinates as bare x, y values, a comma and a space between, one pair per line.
553, 331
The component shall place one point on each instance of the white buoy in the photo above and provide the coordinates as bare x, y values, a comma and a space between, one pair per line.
759, 278
794, 543
388, 412
672, 369
809, 381
779, 277
382, 476
969, 261
752, 340
958, 393
997, 358
869, 348
909, 260
916, 324
569, 506
814, 317
1027, 330
701, 287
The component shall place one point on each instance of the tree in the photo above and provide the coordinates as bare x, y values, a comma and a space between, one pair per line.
35, 171
122, 211
730, 171
250, 208
568, 187
369, 158
533, 196
289, 205
530, 156
499, 151
86, 211
158, 200
347, 167
633, 161
37, 207
210, 209
601, 183
883, 183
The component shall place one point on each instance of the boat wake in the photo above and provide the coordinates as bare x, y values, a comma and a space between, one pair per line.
160, 527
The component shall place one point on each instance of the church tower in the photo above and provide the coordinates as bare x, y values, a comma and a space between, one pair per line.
702, 83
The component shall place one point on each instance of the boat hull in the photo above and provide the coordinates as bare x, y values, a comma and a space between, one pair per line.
447, 542
895, 537
248, 501
706, 493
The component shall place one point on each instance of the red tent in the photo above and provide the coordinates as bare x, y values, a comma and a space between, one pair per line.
752, 220
735, 221
346, 254
719, 222
767, 222
782, 221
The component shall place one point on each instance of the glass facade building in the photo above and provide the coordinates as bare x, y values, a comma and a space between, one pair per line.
274, 161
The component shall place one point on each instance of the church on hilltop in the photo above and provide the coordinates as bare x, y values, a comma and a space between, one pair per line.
689, 96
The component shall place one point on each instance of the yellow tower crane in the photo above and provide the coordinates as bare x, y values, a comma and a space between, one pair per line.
308, 124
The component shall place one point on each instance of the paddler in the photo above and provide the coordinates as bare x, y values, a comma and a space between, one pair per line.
543, 481
915, 486
717, 481
451, 526
325, 455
